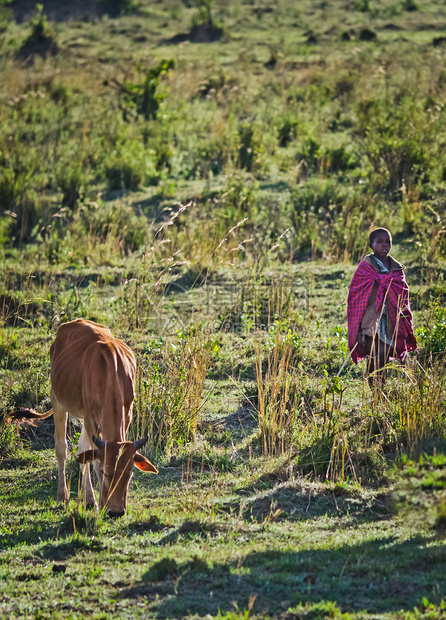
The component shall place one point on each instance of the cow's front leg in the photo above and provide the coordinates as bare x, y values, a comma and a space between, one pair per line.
88, 497
60, 417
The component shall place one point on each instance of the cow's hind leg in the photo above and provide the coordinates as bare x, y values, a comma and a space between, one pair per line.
88, 497
60, 417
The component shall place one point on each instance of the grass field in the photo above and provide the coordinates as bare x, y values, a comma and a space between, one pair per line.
202, 177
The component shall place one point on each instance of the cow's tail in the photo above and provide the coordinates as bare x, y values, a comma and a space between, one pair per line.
29, 414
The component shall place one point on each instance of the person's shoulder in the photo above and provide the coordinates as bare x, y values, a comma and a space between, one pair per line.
367, 260
364, 265
395, 265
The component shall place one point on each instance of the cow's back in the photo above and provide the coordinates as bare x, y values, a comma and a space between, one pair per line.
91, 371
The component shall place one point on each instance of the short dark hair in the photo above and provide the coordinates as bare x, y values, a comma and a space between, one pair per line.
376, 232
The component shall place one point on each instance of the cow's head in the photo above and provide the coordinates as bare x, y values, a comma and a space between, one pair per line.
116, 462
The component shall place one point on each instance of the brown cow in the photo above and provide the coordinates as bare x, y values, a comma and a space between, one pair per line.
92, 376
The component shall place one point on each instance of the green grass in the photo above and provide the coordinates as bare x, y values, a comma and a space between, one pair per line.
219, 541
224, 529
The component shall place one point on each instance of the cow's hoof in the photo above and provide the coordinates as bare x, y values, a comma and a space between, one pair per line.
114, 514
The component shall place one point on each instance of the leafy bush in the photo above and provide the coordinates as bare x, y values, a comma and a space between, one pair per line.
432, 335
39, 25
330, 218
5, 232
204, 12
72, 174
399, 140
129, 167
145, 97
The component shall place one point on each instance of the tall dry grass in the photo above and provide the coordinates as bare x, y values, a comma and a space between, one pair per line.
276, 408
338, 430
170, 391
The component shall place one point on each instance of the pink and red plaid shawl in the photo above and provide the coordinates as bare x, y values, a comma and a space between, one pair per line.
394, 288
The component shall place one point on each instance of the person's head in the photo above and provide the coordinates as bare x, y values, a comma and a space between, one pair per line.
380, 241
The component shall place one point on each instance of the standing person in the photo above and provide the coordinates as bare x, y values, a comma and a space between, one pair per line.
378, 311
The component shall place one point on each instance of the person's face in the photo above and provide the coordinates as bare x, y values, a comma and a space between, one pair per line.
381, 245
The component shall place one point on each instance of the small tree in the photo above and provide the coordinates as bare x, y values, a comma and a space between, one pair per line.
39, 26
204, 12
144, 96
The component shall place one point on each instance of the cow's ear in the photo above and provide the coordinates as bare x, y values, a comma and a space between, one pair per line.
87, 457
144, 464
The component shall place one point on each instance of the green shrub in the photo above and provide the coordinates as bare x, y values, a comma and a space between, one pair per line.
399, 140
309, 153
204, 12
330, 218
20, 170
287, 130
6, 223
410, 5
145, 97
247, 146
39, 24
128, 7
72, 175
130, 164
432, 335
363, 6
